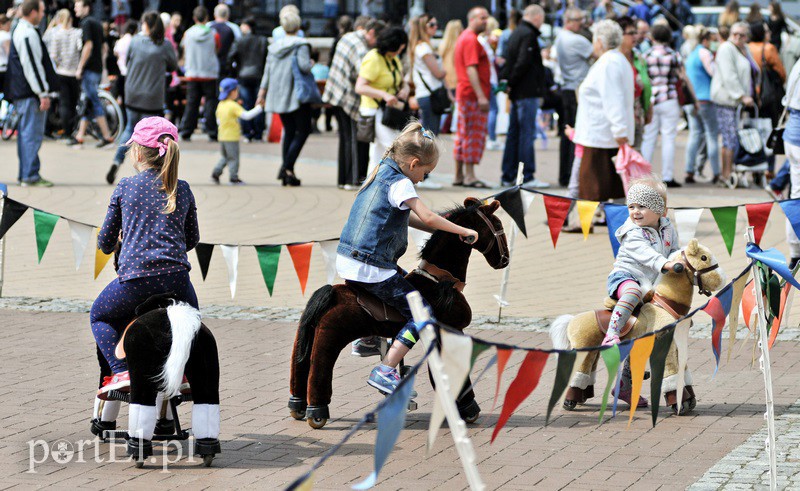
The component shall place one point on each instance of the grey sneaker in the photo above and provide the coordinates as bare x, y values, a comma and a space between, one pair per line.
386, 380
365, 347
40, 183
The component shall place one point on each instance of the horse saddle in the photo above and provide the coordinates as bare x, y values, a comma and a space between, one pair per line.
603, 316
374, 306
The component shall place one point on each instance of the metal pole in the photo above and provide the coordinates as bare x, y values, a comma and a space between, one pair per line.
501, 298
766, 369
443, 391
2, 244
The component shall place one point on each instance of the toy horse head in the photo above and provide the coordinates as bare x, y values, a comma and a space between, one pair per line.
491, 236
702, 268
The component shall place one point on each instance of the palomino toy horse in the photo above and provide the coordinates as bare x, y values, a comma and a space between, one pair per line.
334, 316
672, 300
162, 344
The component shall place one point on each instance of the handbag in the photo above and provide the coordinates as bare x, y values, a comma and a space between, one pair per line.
440, 99
365, 128
305, 87
396, 119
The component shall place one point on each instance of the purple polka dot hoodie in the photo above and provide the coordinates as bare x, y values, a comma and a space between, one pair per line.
153, 243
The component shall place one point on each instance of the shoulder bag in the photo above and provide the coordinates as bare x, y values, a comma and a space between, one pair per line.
305, 87
440, 99
771, 90
394, 118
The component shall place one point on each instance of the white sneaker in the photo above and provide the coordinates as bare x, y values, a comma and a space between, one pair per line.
351, 187
428, 184
494, 145
536, 184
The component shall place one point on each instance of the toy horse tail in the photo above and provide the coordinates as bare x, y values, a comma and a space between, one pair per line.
319, 303
184, 323
558, 332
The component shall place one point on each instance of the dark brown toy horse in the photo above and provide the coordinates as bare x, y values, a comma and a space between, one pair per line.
333, 317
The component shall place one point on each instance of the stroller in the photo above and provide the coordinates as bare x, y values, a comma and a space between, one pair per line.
751, 160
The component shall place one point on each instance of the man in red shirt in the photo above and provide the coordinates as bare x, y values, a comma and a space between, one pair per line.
472, 99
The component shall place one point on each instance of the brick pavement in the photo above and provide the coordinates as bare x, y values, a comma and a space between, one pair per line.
49, 372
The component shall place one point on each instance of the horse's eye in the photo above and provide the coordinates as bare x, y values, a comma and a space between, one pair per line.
703, 258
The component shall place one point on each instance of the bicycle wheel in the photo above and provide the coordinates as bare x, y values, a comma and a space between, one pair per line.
114, 117
10, 125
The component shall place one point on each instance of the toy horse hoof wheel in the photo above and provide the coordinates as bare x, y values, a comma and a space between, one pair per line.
298, 415
471, 412
139, 464
207, 460
317, 423
570, 405
297, 408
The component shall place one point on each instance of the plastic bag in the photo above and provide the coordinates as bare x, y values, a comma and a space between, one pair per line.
631, 165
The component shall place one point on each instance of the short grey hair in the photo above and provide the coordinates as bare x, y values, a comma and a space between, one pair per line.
290, 22
743, 25
222, 11
533, 10
609, 33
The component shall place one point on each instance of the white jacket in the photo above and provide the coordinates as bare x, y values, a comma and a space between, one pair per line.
732, 79
643, 251
792, 97
605, 103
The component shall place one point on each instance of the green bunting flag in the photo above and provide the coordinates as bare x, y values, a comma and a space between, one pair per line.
477, 349
43, 224
566, 360
611, 359
725, 217
268, 257
658, 358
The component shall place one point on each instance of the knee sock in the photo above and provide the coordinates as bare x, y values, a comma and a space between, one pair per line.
631, 295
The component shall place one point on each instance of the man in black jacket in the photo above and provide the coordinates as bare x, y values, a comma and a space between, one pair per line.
525, 74
249, 53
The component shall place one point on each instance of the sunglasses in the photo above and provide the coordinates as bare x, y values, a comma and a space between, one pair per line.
433, 24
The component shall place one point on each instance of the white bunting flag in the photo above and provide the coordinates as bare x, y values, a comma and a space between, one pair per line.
231, 255
419, 237
81, 235
456, 353
329, 258
686, 223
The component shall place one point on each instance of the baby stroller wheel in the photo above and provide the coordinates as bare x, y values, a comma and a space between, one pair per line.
733, 180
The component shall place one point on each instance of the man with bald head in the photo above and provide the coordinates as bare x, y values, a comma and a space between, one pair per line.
525, 74
472, 99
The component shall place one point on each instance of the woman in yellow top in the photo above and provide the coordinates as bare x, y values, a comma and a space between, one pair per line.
380, 83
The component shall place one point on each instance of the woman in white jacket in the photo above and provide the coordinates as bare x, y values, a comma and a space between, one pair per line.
731, 86
605, 118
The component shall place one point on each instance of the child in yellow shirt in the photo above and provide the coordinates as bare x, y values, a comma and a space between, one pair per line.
229, 112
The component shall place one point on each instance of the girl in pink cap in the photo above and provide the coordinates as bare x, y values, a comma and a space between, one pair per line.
152, 218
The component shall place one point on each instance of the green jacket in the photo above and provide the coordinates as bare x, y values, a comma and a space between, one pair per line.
641, 67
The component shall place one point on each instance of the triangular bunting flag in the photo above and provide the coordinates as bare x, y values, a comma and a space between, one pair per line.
615, 217
757, 216
43, 225
502, 359
268, 257
391, 420
686, 223
726, 222
776, 324
718, 307
100, 261
456, 353
681, 340
477, 349
612, 360
329, 258
12, 211
3, 190
733, 317
556, 208
419, 237
511, 201
625, 348
586, 211
658, 359
204, 252
81, 235
566, 360
527, 200
775, 260
642, 348
231, 255
521, 387
301, 258
791, 208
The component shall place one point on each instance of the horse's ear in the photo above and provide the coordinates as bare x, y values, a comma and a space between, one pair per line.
491, 207
693, 247
472, 202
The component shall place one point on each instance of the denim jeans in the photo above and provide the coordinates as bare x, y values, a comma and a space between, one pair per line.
665, 122
703, 125
248, 91
393, 292
29, 138
520, 139
429, 120
134, 117
90, 82
492, 124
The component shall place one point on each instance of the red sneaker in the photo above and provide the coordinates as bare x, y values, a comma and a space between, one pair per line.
120, 381
184, 387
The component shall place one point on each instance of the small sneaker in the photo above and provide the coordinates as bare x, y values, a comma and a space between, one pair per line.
184, 387
386, 380
428, 184
112, 173
351, 187
611, 339
537, 184
237, 182
215, 178
364, 348
40, 183
104, 143
120, 381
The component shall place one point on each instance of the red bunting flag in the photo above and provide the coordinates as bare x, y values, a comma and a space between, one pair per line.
757, 216
557, 209
301, 258
502, 359
527, 379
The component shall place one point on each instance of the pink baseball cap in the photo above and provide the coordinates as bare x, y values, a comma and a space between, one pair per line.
147, 132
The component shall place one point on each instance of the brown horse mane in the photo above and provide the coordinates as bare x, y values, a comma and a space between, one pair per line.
452, 214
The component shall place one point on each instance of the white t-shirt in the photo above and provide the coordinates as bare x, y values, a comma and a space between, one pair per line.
421, 68
5, 37
353, 270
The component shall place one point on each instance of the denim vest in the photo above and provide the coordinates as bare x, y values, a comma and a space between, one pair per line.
376, 233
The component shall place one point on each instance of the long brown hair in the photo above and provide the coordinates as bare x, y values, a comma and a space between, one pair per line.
418, 33
167, 167
414, 142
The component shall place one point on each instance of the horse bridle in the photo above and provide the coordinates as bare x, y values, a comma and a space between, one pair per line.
497, 235
696, 275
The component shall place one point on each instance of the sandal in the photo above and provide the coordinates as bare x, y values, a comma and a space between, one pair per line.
457, 183
476, 184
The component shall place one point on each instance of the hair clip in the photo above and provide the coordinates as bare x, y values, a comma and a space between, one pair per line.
426, 133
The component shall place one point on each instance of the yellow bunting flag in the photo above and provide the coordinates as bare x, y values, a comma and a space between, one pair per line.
586, 211
307, 484
639, 356
100, 261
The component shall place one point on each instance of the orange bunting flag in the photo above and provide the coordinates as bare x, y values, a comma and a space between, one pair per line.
557, 209
523, 385
757, 216
639, 356
100, 261
776, 324
502, 359
301, 258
